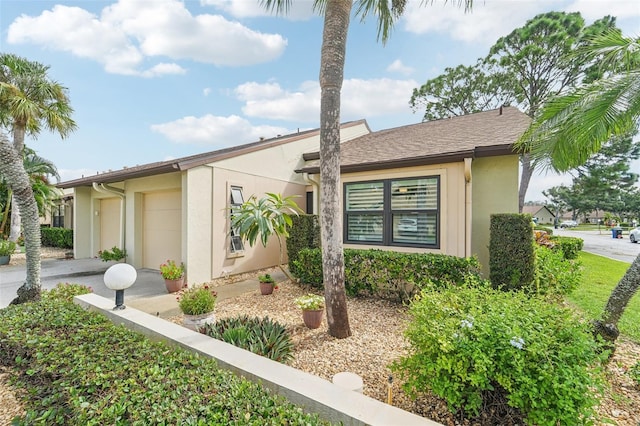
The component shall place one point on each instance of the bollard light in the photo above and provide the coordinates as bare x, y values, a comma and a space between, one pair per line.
120, 277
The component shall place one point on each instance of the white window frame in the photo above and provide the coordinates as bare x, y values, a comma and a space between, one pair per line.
235, 247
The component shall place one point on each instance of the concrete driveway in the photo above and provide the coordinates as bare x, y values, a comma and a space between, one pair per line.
602, 243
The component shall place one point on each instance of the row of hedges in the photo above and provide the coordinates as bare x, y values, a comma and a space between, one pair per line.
57, 237
570, 246
389, 274
78, 368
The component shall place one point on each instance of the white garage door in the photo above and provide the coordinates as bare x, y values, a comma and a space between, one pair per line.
162, 235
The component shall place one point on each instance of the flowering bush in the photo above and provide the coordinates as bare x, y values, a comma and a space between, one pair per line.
471, 344
171, 271
197, 300
310, 302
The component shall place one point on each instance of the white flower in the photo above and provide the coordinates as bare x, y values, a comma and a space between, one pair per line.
517, 342
466, 324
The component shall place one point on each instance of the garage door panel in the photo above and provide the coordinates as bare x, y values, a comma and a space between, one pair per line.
162, 228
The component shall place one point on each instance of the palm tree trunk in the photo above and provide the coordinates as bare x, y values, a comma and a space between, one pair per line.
11, 166
525, 178
618, 301
334, 42
18, 146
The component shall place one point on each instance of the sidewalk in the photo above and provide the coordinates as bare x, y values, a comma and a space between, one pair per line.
147, 294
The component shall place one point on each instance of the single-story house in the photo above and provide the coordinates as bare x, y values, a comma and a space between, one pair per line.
178, 209
541, 213
427, 187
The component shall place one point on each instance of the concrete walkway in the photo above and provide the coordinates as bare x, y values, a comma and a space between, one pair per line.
148, 293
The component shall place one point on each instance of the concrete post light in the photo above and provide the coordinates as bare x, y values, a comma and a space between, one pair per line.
120, 277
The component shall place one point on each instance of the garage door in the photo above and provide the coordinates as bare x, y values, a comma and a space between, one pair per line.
162, 235
109, 223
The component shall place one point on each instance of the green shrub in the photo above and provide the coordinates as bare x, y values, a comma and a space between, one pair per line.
470, 343
78, 368
304, 233
66, 292
511, 257
634, 372
389, 274
7, 247
555, 275
570, 246
57, 237
261, 336
114, 254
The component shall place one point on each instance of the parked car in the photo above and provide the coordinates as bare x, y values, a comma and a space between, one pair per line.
568, 224
634, 235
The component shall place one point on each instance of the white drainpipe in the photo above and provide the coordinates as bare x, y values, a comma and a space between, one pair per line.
106, 189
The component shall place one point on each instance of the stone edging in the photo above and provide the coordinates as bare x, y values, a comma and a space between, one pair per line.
313, 393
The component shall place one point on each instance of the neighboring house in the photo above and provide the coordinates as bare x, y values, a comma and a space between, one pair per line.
179, 209
541, 213
60, 214
429, 187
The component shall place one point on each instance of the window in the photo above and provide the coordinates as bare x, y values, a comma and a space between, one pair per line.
236, 200
401, 212
57, 214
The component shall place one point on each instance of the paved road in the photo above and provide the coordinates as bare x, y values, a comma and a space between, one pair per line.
601, 242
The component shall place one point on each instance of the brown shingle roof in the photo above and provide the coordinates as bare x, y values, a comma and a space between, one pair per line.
186, 163
475, 135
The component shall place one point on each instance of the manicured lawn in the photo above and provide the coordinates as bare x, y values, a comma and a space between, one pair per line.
600, 276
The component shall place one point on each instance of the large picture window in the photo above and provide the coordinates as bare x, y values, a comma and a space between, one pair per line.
401, 212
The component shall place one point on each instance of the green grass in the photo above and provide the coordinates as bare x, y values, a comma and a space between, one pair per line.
600, 276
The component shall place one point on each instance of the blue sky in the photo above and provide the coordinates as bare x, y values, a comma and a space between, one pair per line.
159, 79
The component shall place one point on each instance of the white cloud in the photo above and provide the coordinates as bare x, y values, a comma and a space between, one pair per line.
541, 181
129, 33
360, 99
206, 91
215, 131
487, 21
594, 9
398, 66
299, 10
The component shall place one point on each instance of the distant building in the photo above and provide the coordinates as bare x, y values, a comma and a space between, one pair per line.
543, 215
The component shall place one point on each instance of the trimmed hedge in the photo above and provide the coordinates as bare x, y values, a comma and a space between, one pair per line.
304, 233
511, 255
57, 237
78, 368
543, 228
570, 246
389, 274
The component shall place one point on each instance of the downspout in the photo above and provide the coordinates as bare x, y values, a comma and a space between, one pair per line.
316, 184
106, 189
467, 206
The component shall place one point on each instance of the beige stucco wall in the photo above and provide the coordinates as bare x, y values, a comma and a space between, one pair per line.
82, 222
495, 190
279, 162
452, 203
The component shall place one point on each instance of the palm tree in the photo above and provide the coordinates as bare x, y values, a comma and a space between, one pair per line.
12, 168
39, 170
29, 101
573, 127
334, 40
267, 216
